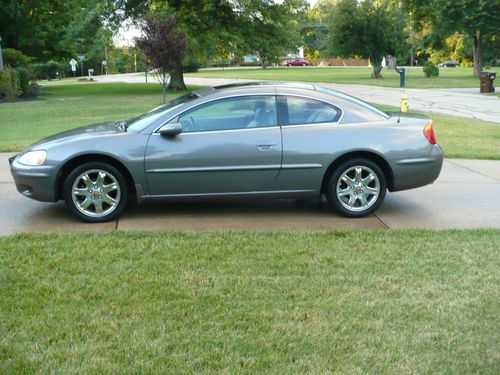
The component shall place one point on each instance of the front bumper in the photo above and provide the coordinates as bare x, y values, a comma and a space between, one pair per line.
35, 182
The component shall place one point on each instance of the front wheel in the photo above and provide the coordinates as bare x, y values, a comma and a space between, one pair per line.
95, 192
356, 188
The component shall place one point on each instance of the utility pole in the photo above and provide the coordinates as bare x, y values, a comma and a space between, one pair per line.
106, 59
1, 58
412, 57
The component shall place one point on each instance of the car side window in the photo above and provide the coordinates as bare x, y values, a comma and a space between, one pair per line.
298, 111
233, 113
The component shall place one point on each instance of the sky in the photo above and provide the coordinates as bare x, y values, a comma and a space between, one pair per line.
127, 32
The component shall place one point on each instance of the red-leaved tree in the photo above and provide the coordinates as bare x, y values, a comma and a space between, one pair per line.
165, 47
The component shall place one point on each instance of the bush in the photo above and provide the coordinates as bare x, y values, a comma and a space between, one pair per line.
14, 58
53, 67
9, 84
24, 79
38, 71
190, 66
250, 63
33, 91
430, 70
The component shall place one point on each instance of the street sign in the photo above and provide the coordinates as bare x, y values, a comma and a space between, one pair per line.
81, 57
104, 62
73, 63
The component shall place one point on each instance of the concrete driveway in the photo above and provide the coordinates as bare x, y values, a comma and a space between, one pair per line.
465, 196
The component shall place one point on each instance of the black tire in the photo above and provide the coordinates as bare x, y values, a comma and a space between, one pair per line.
340, 193
97, 194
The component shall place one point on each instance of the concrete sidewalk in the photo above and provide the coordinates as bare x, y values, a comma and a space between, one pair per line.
468, 103
465, 196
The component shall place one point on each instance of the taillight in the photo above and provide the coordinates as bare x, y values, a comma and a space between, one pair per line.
429, 133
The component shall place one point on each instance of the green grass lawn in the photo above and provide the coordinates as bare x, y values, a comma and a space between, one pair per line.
463, 138
67, 105
241, 302
448, 77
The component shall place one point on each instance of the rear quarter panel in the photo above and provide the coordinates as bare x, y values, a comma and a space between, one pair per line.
308, 151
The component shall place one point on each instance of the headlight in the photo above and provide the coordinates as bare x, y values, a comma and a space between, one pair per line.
33, 158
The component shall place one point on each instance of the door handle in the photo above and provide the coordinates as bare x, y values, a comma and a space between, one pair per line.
266, 145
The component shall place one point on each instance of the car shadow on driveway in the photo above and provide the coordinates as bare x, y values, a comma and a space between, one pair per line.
307, 214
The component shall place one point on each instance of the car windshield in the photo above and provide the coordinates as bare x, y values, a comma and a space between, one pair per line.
137, 124
352, 99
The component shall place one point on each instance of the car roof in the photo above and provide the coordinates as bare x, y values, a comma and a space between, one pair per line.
293, 85
228, 88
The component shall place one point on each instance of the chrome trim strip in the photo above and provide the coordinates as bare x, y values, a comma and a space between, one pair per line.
415, 161
215, 169
301, 166
274, 127
229, 194
275, 94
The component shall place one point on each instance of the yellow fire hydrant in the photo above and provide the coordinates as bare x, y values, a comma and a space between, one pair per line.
404, 103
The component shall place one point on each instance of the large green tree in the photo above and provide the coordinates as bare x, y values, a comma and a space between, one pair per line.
369, 29
214, 28
271, 29
479, 20
53, 29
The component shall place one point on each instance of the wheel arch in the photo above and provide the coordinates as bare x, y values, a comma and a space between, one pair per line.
372, 156
72, 163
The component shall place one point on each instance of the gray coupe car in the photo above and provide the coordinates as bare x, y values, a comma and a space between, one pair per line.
268, 140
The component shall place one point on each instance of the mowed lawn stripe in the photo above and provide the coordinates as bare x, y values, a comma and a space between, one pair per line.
283, 302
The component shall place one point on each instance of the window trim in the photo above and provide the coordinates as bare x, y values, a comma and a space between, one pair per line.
157, 130
280, 100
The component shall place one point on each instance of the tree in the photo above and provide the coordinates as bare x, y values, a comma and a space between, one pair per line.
271, 29
314, 31
210, 26
478, 19
165, 48
52, 29
369, 29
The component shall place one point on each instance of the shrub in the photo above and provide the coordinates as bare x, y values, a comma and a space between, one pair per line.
39, 71
14, 58
430, 70
33, 91
250, 63
190, 66
53, 67
24, 79
9, 84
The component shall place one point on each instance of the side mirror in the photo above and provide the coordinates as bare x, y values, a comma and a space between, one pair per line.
171, 130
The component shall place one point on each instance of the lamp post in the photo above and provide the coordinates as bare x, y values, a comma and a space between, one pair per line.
1, 57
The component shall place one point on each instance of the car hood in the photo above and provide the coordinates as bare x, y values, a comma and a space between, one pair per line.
94, 130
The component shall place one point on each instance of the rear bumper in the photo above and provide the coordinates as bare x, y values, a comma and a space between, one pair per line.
415, 172
35, 182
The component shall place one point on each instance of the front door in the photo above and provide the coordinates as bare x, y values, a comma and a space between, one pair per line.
226, 146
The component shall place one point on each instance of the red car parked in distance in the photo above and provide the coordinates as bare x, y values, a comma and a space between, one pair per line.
297, 62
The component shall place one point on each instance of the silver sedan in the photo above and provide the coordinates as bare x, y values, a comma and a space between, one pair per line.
266, 140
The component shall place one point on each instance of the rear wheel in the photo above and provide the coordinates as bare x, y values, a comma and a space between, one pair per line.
356, 188
95, 192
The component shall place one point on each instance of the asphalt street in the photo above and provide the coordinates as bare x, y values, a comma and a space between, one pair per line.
465, 196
